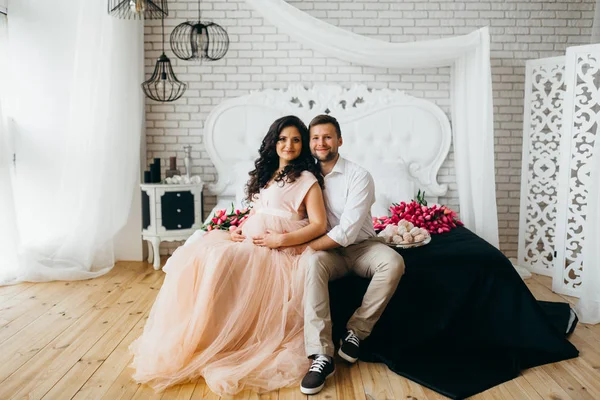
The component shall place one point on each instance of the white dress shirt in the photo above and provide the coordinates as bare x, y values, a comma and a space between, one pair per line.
349, 194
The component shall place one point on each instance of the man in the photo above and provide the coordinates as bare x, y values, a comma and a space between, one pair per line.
349, 246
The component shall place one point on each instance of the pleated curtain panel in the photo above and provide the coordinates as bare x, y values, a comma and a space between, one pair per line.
76, 108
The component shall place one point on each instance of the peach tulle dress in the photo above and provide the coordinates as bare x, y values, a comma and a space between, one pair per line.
232, 312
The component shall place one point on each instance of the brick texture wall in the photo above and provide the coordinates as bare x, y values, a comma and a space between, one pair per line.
261, 57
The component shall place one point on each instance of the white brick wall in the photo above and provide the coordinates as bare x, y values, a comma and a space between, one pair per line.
260, 57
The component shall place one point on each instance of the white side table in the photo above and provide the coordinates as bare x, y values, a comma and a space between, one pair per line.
169, 213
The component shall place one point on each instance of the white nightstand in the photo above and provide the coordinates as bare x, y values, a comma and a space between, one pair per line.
169, 213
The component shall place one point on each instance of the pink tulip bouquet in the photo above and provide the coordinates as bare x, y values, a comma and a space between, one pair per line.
435, 219
227, 221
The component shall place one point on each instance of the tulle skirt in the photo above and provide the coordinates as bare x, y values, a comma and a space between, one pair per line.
229, 312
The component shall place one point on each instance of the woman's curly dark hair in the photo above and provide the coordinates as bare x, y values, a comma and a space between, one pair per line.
268, 161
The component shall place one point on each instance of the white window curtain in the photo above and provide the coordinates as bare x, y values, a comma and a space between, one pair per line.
588, 307
472, 113
595, 37
8, 227
77, 108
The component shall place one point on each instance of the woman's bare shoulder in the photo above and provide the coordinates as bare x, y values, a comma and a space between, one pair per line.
308, 175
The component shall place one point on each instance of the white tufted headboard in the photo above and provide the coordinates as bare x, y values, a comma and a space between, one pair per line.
400, 139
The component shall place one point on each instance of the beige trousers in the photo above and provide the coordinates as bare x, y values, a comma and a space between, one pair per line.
368, 259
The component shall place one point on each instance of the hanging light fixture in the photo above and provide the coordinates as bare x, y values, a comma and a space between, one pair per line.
138, 9
163, 85
197, 40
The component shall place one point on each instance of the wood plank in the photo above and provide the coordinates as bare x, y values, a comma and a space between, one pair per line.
404, 388
37, 376
202, 392
243, 395
546, 281
9, 291
329, 392
108, 373
544, 384
292, 393
348, 383
582, 371
36, 300
272, 395
87, 365
567, 382
179, 392
19, 349
145, 392
490, 394
432, 394
520, 388
79, 289
375, 381
123, 388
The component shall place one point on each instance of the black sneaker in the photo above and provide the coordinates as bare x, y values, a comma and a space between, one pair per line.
350, 347
322, 368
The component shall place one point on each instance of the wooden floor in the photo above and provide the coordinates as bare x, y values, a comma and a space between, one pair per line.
69, 340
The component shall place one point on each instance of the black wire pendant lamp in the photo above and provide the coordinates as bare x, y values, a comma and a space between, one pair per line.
136, 9
163, 85
197, 40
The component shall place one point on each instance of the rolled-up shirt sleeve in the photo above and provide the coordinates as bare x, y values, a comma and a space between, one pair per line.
361, 197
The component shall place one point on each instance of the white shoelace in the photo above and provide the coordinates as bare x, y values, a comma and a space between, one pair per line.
318, 364
352, 338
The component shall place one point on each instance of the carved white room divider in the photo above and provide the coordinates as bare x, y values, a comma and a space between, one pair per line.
562, 113
542, 119
581, 117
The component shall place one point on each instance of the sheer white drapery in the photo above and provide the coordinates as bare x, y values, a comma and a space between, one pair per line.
78, 110
472, 114
8, 226
588, 307
595, 37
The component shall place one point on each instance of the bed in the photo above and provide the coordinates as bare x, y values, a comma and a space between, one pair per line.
462, 320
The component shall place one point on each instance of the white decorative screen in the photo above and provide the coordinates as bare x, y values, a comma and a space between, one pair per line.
542, 119
580, 123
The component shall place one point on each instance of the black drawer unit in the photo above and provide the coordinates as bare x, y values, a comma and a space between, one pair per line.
177, 210
145, 210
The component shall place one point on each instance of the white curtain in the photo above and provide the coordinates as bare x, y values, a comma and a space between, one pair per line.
595, 37
472, 114
8, 227
588, 307
77, 107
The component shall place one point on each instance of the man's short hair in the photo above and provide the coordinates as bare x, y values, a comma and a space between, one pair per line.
326, 119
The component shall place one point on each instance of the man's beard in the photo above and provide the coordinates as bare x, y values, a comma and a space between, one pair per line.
330, 156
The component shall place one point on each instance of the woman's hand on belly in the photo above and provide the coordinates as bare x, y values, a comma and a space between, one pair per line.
237, 236
269, 239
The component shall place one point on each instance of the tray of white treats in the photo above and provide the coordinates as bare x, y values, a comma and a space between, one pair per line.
405, 235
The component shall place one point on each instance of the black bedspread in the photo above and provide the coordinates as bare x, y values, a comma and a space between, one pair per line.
461, 320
